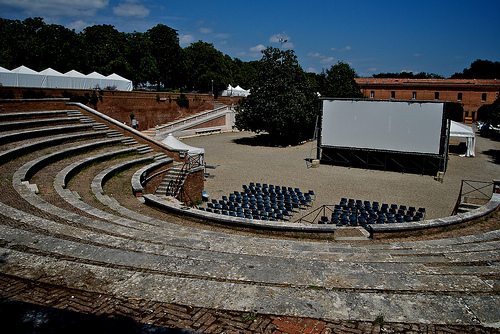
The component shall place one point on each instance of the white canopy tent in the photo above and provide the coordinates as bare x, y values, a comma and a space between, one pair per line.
7, 78
26, 77
77, 79
175, 143
120, 82
55, 79
50, 78
464, 131
235, 91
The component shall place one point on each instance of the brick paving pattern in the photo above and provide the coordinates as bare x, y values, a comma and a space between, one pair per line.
132, 315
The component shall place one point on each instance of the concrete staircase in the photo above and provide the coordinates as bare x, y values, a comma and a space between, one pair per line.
172, 176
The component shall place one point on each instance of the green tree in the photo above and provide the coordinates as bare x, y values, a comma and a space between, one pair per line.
168, 57
490, 113
282, 101
480, 69
338, 81
243, 73
104, 49
205, 65
409, 75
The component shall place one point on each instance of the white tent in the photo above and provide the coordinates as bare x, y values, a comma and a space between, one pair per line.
235, 91
50, 78
120, 82
7, 78
77, 79
26, 77
464, 131
175, 143
96, 80
55, 79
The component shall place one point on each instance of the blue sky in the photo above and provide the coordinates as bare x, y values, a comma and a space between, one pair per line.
435, 36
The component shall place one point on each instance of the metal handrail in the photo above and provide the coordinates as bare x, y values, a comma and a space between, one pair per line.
175, 185
190, 119
474, 189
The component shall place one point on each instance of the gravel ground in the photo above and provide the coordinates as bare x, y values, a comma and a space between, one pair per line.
239, 161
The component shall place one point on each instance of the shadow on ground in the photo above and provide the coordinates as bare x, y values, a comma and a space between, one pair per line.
32, 318
263, 139
494, 156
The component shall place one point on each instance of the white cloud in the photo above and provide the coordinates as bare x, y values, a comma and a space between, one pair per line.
315, 55
347, 48
222, 35
311, 70
57, 7
416, 55
322, 58
130, 9
206, 30
78, 25
257, 48
327, 60
185, 40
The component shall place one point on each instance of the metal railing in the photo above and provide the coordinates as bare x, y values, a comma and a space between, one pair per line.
191, 119
174, 186
312, 217
473, 189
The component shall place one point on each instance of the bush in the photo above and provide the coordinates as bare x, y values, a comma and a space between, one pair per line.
182, 101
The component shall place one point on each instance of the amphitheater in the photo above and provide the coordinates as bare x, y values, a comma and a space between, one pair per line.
84, 249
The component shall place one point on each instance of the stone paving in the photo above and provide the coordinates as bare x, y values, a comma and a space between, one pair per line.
148, 271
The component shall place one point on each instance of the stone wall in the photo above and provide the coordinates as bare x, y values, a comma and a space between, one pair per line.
149, 108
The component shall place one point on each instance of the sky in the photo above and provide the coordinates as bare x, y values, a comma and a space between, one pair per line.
433, 36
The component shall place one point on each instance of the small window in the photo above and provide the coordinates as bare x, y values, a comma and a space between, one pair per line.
436, 96
459, 97
393, 95
372, 94
483, 97
414, 95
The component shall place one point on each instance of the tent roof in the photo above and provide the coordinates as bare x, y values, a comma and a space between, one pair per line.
4, 70
74, 73
175, 143
50, 71
96, 75
115, 76
25, 70
460, 130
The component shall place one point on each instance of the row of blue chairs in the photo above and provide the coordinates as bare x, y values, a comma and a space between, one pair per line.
359, 219
264, 202
357, 212
348, 205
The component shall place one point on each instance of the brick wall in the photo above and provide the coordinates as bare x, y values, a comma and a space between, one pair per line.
32, 105
472, 91
194, 186
149, 108
229, 100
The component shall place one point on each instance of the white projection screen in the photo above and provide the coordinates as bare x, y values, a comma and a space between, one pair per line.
402, 126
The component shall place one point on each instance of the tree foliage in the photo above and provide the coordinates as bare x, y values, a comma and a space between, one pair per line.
480, 69
338, 81
409, 75
282, 102
206, 65
490, 113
